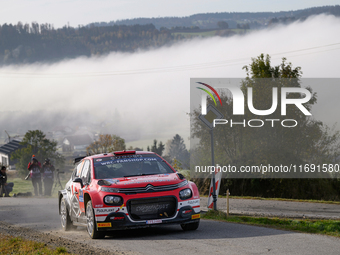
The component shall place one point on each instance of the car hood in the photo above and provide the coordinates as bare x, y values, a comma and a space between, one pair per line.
142, 181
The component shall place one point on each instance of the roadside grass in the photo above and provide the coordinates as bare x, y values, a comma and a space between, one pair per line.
325, 227
23, 186
283, 199
18, 245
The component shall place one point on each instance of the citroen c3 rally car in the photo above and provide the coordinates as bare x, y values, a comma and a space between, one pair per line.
127, 189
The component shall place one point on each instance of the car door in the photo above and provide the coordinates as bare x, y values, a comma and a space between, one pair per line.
85, 173
75, 187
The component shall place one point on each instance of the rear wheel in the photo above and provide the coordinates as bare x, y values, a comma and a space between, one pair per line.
91, 223
66, 222
190, 226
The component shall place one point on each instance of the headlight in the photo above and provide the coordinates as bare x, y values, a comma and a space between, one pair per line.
185, 194
113, 190
113, 200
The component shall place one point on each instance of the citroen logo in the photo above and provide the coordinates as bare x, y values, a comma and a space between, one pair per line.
149, 186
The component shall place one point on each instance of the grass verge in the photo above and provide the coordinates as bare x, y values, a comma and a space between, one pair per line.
281, 199
18, 245
325, 227
23, 186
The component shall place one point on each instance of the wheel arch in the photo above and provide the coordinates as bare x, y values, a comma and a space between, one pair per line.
87, 198
61, 195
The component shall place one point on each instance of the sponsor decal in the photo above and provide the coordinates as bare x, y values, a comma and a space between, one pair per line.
113, 181
81, 196
100, 205
151, 208
98, 160
193, 202
104, 210
153, 221
120, 208
195, 216
117, 218
104, 225
108, 209
142, 181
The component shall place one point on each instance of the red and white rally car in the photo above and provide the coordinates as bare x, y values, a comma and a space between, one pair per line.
127, 189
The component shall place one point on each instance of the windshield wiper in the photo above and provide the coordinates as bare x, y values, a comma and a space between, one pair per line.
140, 174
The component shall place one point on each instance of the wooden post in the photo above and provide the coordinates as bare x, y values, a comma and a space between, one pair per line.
227, 202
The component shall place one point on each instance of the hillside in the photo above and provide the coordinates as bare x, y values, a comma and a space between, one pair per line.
28, 43
209, 20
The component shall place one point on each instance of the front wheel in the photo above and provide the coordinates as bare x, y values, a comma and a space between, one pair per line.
91, 223
190, 226
66, 222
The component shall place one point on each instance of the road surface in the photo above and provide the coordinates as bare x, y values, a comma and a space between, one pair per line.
212, 237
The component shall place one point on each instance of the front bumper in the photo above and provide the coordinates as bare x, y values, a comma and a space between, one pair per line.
121, 218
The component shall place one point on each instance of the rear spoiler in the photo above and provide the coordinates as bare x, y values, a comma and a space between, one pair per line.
76, 160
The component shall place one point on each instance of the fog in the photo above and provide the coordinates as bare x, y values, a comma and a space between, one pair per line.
144, 95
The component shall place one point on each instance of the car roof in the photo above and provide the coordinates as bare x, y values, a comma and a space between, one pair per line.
125, 152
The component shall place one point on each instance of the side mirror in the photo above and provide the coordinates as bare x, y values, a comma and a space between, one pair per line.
79, 180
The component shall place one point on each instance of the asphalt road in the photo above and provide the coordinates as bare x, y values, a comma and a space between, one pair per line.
211, 237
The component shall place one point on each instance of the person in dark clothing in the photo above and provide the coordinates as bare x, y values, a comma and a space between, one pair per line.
34, 167
48, 176
5, 187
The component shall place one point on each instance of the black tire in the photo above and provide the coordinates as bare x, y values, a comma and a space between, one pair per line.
66, 222
91, 223
190, 226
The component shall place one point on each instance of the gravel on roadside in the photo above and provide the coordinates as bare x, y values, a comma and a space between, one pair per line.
53, 241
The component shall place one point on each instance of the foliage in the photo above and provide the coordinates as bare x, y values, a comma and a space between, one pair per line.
36, 143
179, 152
106, 143
157, 149
222, 24
209, 20
25, 43
176, 165
309, 142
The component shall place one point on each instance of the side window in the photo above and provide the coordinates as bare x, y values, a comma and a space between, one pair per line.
78, 169
85, 173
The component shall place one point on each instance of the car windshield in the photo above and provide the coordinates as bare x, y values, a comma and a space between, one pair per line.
130, 165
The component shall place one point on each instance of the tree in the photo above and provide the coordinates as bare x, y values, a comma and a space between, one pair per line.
222, 24
106, 143
179, 152
157, 149
310, 142
36, 143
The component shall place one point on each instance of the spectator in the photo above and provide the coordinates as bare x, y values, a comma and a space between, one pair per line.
34, 167
48, 176
6, 187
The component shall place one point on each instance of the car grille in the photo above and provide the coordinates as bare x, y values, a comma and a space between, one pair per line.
152, 208
151, 188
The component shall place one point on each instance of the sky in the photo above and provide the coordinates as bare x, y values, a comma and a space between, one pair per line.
83, 12
146, 95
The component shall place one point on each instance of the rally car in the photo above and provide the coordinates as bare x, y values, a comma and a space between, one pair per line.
127, 189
